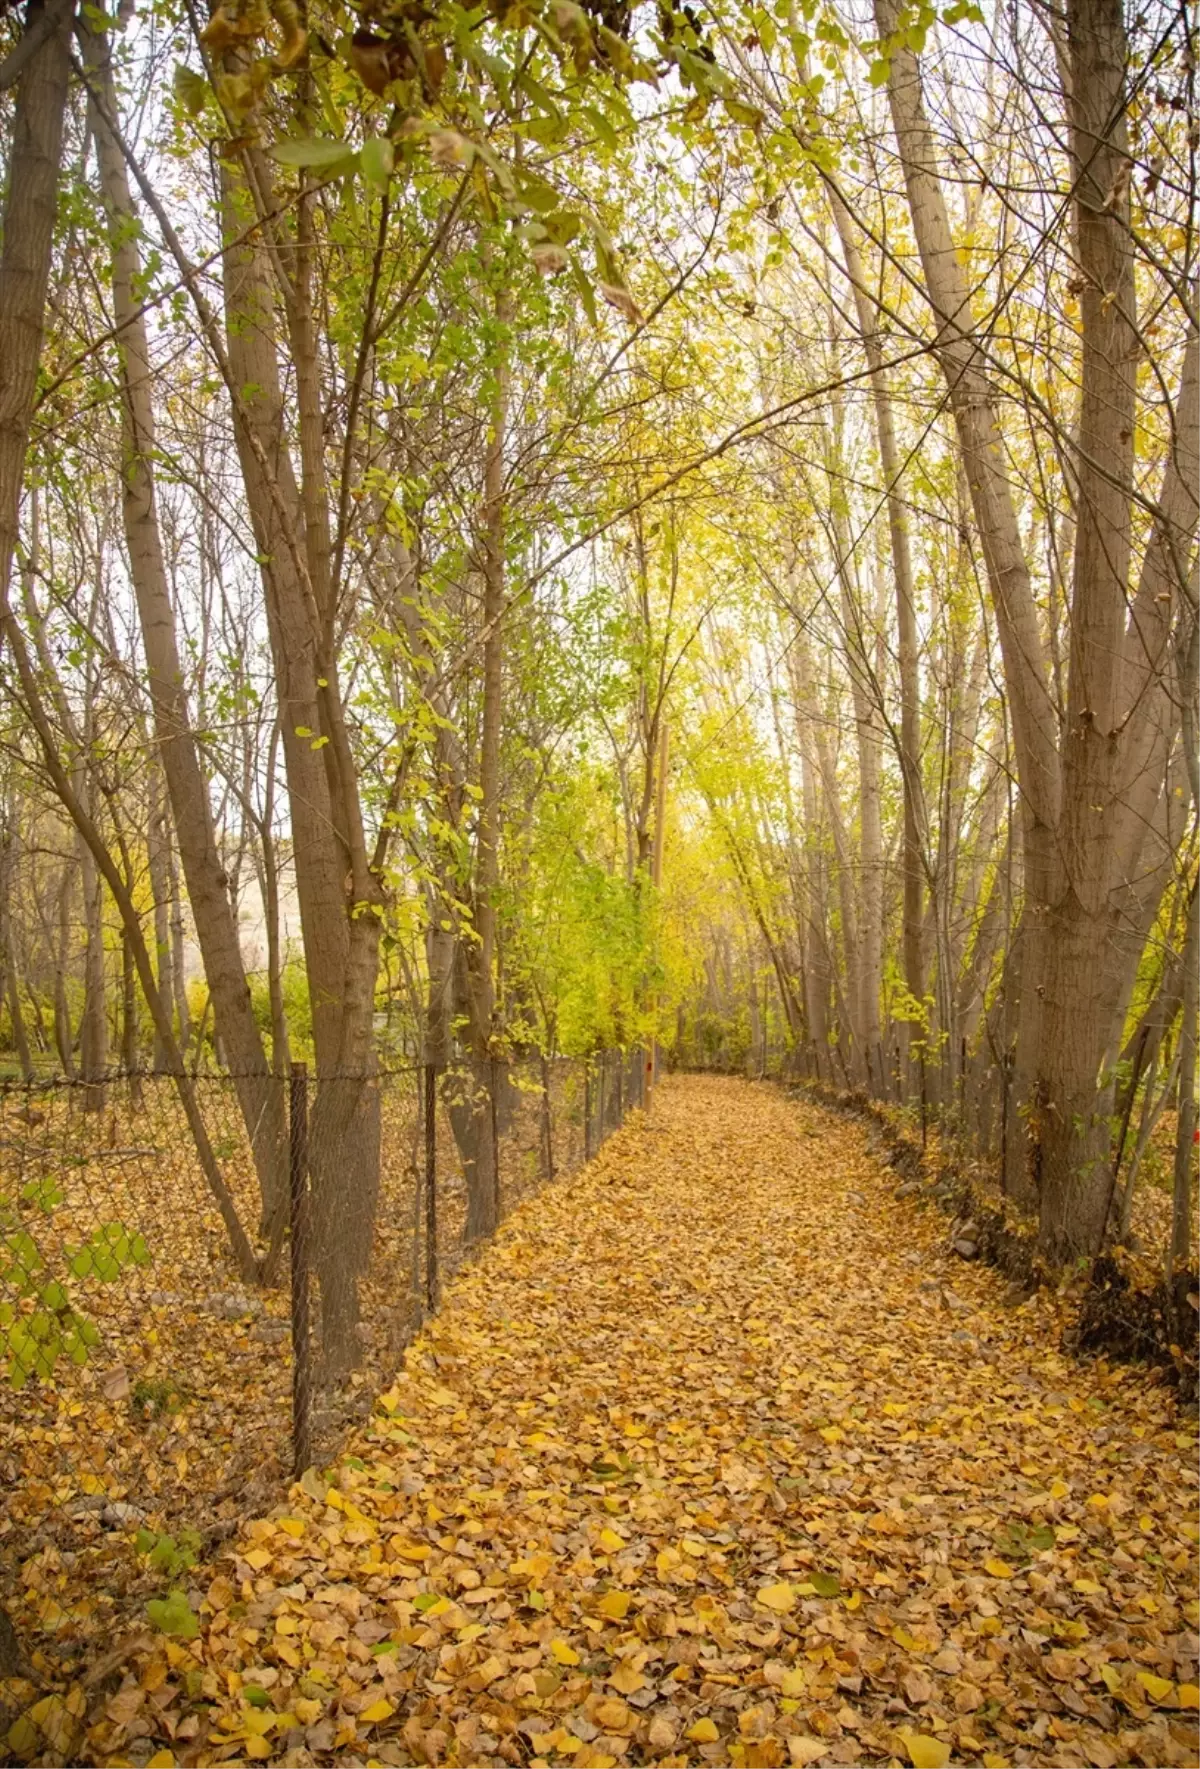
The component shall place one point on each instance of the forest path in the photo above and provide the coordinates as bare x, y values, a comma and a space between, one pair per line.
714, 1456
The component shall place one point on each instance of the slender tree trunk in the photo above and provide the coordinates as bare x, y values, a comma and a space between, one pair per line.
481, 964
909, 746
1188, 662
8, 960
183, 1012
30, 207
160, 890
93, 1031
107, 870
64, 1036
472, 1110
817, 966
1185, 1126
336, 887
1034, 718
259, 1096
268, 862
870, 828
129, 1019
27, 230
1077, 1082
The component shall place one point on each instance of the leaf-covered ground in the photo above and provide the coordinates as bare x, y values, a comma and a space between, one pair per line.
178, 1424
715, 1456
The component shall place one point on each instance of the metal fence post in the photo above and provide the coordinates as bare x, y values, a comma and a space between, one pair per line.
620, 1088
301, 1339
547, 1128
603, 1090
431, 1224
495, 1140
587, 1108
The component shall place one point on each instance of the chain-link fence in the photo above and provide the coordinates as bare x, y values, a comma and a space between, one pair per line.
203, 1284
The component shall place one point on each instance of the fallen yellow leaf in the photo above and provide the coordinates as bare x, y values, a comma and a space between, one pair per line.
703, 1732
563, 1654
925, 1752
780, 1598
804, 1751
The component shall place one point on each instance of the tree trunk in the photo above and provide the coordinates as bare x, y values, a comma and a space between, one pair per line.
8, 960
259, 1096
129, 1020
1034, 720
1185, 1127
1077, 1086
182, 1006
909, 745
869, 870
27, 229
337, 891
93, 1031
471, 1114
159, 869
1085, 814
64, 1036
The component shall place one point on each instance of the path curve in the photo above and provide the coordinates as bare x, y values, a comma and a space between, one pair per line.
716, 1456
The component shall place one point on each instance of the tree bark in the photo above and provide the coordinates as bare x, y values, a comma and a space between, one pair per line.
909, 745
338, 893
159, 870
1077, 1091
1085, 812
8, 960
27, 229
259, 1097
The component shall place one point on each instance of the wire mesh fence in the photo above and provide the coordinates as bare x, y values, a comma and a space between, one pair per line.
147, 1363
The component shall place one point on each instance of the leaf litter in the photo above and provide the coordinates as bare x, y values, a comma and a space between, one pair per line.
714, 1456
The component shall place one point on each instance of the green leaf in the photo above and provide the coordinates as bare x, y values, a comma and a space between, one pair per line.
314, 151
45, 1193
563, 227
191, 89
173, 1614
748, 114
536, 193
825, 1584
584, 288
606, 135
376, 160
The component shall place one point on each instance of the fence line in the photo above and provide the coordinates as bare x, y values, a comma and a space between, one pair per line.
116, 1269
